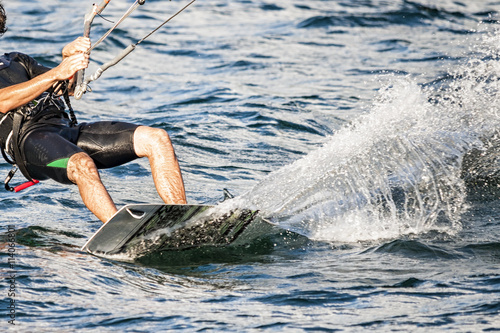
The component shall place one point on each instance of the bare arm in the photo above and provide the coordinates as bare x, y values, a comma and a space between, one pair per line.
74, 59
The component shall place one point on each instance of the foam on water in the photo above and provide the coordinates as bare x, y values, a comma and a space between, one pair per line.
397, 169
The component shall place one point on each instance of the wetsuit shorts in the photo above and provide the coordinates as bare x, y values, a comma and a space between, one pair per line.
47, 150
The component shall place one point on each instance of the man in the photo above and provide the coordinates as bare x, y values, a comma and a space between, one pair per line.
50, 145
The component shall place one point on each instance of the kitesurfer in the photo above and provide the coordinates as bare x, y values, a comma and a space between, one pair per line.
45, 143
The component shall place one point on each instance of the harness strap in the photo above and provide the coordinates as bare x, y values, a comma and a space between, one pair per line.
72, 116
16, 130
64, 86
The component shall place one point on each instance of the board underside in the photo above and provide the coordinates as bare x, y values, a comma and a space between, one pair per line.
139, 230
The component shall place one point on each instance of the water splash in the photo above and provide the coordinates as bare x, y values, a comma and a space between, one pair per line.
397, 169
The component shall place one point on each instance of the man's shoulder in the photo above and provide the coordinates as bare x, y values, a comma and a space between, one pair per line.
16, 55
29, 63
7, 58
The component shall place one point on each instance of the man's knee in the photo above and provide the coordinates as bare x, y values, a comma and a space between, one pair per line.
81, 166
148, 140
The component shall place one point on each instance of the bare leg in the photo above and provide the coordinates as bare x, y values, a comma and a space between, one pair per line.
155, 144
83, 172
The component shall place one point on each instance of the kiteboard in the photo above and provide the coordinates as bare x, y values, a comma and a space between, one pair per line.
139, 230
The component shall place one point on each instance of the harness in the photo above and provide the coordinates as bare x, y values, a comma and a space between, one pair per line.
36, 114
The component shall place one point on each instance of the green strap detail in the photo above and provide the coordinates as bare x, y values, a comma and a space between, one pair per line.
62, 163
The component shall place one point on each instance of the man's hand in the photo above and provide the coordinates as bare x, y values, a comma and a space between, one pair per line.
75, 57
69, 66
79, 45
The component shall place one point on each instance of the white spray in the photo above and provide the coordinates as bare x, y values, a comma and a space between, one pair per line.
395, 170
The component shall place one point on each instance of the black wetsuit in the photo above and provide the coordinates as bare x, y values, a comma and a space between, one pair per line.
47, 143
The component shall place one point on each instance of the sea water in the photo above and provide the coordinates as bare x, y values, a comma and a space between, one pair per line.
343, 122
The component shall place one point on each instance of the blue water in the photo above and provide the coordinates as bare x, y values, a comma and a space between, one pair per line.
346, 122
